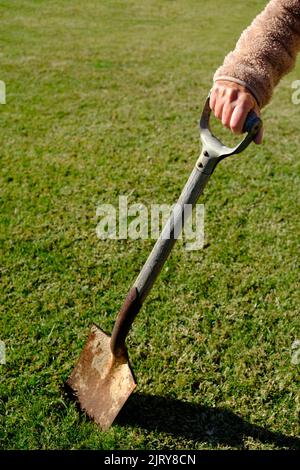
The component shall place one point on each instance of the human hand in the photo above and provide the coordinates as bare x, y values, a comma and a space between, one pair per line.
231, 103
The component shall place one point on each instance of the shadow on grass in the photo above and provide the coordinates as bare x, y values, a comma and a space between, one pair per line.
197, 423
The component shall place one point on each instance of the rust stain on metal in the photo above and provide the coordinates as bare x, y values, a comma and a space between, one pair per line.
101, 381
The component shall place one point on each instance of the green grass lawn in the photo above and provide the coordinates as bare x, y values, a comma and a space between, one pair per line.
103, 100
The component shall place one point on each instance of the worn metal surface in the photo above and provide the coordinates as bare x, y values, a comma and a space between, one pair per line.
101, 382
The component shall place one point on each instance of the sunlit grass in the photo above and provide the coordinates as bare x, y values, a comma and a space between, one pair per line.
103, 100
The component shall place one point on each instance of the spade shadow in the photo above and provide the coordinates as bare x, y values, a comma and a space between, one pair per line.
188, 421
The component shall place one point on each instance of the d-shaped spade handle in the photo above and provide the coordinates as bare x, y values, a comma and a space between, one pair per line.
214, 148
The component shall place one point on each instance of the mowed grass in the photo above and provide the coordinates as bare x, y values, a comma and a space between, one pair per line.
103, 100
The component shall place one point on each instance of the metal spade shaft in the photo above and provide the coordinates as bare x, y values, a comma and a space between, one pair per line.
213, 151
103, 380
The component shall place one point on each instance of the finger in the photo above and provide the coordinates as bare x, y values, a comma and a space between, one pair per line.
212, 100
218, 110
239, 116
226, 114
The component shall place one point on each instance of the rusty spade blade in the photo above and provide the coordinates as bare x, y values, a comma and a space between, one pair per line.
102, 380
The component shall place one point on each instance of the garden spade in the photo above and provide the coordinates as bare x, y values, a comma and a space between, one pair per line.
103, 380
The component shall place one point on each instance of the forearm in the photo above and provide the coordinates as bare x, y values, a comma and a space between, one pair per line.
266, 50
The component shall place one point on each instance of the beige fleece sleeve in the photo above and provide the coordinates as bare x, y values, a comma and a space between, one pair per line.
266, 50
